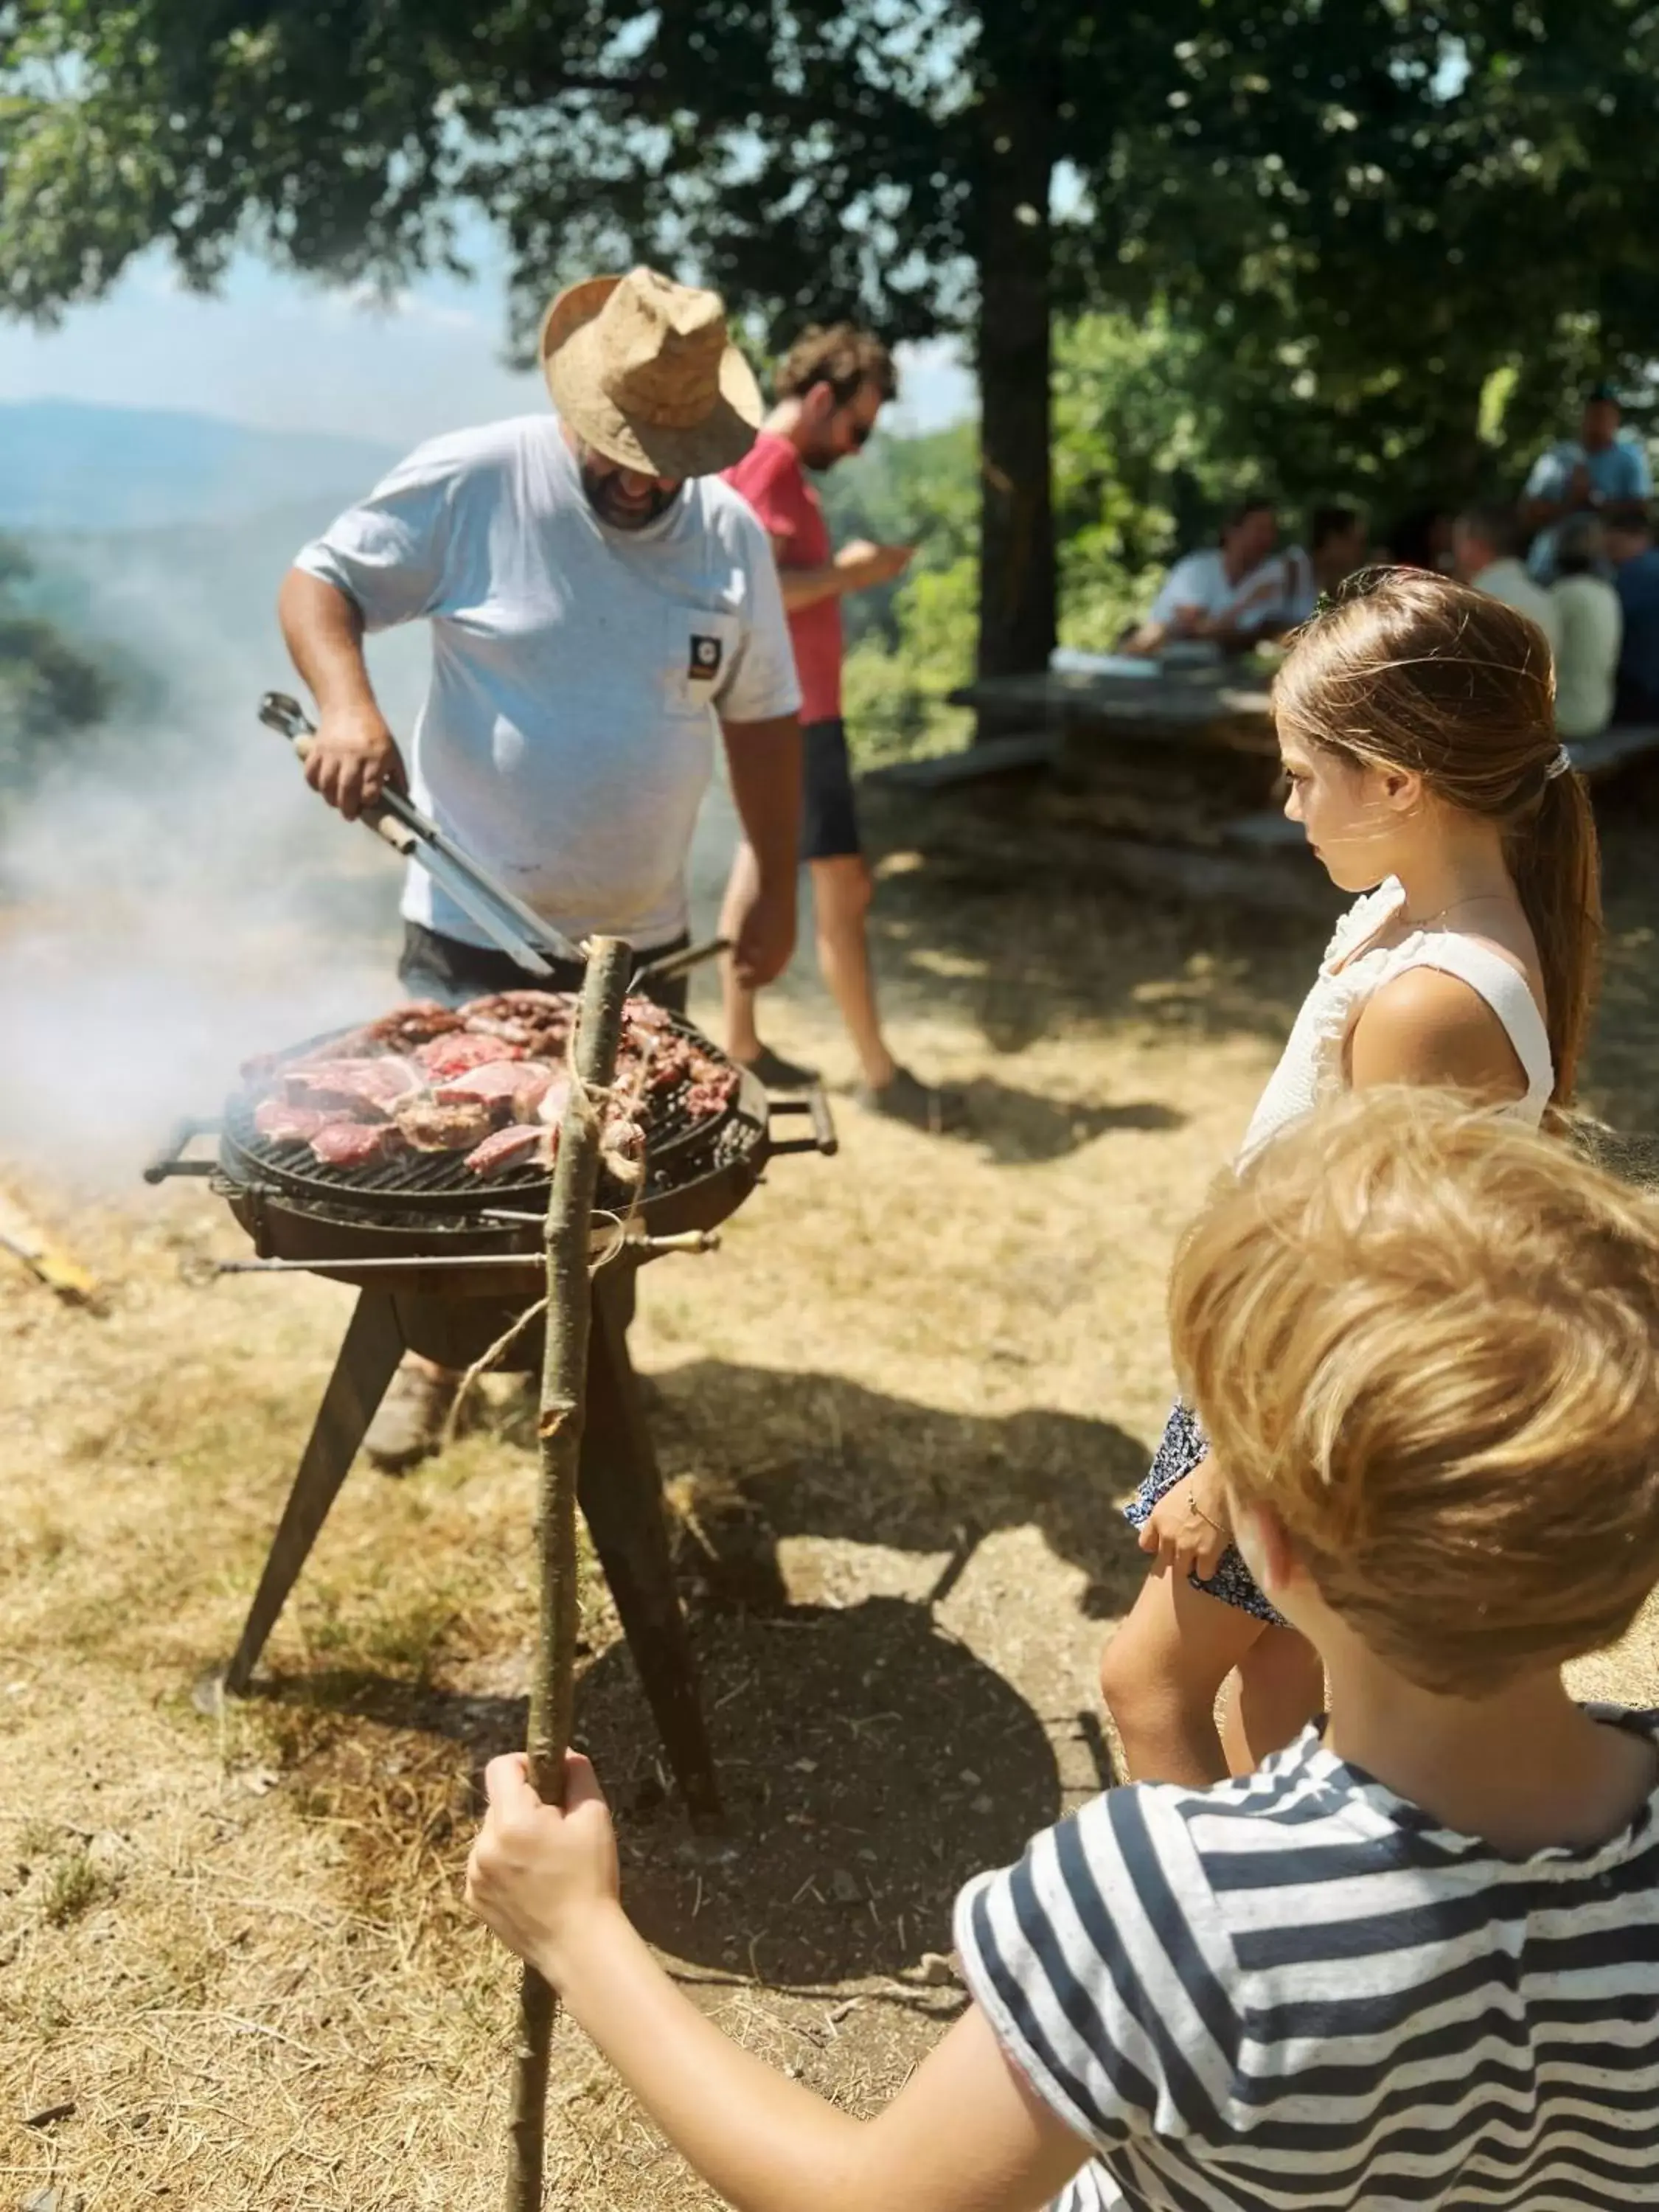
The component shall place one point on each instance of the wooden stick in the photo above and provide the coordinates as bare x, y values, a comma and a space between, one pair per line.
564, 1378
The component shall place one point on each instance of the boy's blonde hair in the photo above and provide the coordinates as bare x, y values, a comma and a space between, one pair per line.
1428, 1340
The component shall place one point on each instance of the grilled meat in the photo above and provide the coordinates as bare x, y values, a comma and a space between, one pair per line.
519, 1145
434, 1125
287, 1125
710, 1093
507, 1087
357, 1144
448, 1056
407, 1027
353, 1089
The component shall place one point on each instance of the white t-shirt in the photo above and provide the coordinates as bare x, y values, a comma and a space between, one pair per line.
1508, 581
1279, 589
1590, 622
566, 738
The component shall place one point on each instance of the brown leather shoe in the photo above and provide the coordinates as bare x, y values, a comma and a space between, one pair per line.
409, 1427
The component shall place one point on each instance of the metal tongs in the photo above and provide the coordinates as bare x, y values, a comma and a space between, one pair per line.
518, 929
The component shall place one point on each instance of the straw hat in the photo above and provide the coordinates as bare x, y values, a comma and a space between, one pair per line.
642, 370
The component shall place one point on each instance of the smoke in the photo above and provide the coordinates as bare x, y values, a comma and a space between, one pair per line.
173, 898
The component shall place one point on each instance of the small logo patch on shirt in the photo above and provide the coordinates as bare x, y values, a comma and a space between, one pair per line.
706, 656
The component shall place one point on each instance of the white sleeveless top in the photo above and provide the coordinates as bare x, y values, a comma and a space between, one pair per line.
1311, 1067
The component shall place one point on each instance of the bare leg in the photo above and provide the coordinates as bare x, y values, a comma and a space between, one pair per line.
840, 900
1279, 1688
1160, 1676
742, 1038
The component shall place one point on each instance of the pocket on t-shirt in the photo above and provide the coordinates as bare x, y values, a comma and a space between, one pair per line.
701, 645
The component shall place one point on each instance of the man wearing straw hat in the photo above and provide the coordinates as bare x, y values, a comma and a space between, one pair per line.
598, 598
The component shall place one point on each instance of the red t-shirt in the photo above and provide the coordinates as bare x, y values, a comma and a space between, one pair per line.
771, 478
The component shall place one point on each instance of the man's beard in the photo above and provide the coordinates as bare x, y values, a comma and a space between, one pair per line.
605, 496
820, 457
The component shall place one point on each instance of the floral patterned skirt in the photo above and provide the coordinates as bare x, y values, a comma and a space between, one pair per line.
1182, 1447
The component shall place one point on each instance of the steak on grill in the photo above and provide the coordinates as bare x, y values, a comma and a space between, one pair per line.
357, 1144
511, 1087
517, 1145
354, 1090
274, 1118
407, 1028
432, 1125
447, 1056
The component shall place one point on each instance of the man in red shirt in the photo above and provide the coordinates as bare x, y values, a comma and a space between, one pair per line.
829, 388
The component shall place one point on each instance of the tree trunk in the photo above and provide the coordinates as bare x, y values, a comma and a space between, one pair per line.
1017, 547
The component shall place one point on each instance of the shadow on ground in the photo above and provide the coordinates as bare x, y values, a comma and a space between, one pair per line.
752, 1456
1014, 922
868, 1764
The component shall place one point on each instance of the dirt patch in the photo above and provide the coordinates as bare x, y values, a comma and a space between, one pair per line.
894, 1413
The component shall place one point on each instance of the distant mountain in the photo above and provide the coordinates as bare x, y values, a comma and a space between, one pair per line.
66, 466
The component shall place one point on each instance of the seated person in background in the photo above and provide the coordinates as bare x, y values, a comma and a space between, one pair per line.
1413, 1960
1422, 540
1591, 626
1338, 548
1590, 470
1629, 532
1229, 593
1483, 542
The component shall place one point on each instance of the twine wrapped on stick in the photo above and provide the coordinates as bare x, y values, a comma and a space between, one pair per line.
564, 1380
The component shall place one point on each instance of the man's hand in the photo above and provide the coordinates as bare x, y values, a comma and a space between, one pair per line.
535, 1871
864, 565
763, 931
1188, 1527
353, 757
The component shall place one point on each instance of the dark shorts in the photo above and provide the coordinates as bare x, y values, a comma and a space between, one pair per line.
829, 813
446, 969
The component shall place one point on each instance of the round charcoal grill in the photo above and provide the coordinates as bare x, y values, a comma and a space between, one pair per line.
444, 1262
679, 1148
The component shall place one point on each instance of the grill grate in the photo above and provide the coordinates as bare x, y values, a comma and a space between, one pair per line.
679, 1150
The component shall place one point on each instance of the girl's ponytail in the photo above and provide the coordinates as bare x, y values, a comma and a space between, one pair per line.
1555, 859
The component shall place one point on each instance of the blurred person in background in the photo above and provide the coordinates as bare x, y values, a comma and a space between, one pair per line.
1338, 548
1590, 624
1230, 593
1484, 553
1423, 539
1628, 529
1601, 467
829, 389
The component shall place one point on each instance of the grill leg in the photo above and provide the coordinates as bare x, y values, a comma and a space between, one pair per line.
368, 1360
621, 1492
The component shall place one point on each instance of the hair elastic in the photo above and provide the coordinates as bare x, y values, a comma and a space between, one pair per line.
1560, 765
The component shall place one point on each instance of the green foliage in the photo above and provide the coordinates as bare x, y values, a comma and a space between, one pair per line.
49, 689
1317, 239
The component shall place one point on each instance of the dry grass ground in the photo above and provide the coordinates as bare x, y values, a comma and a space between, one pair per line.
895, 1413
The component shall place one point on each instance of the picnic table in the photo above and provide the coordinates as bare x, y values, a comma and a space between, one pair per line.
1220, 704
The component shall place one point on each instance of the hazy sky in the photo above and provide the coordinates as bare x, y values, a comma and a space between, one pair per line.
271, 351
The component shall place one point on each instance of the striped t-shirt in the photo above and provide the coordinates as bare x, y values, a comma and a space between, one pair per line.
1295, 1990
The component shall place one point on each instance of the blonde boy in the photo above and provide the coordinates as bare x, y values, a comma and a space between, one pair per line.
1414, 1960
